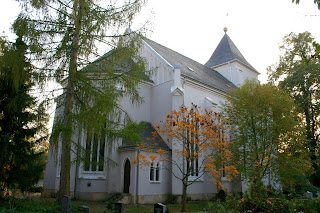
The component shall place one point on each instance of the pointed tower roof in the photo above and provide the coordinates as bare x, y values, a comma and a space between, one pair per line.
225, 52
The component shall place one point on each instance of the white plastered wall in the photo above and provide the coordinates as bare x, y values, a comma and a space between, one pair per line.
236, 72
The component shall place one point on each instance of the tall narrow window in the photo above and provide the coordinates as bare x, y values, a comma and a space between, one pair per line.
194, 148
194, 167
151, 172
87, 154
155, 172
94, 155
223, 171
101, 153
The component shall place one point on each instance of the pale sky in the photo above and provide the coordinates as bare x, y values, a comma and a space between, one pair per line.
194, 28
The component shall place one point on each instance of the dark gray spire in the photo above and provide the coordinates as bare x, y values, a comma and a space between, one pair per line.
225, 52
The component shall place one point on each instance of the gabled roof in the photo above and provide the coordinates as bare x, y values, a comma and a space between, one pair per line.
192, 69
225, 52
105, 63
146, 139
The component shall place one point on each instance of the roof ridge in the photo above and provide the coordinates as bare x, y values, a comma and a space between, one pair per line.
173, 51
191, 68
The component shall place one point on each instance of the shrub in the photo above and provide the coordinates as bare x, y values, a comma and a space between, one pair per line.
277, 203
110, 206
305, 205
171, 199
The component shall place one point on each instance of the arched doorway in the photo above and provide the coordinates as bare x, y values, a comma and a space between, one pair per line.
126, 176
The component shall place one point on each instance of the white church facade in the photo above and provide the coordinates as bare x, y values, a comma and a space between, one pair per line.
178, 80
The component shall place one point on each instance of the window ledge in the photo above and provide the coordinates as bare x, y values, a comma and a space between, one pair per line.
156, 182
224, 179
194, 178
93, 175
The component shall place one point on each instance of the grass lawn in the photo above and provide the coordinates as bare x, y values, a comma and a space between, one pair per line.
96, 207
45, 205
38, 204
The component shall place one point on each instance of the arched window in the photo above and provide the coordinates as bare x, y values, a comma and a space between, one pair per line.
155, 172
94, 155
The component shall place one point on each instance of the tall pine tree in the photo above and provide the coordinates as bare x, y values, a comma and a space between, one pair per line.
64, 37
22, 123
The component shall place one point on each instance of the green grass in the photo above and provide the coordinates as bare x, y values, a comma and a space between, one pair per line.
29, 206
192, 207
46, 205
173, 208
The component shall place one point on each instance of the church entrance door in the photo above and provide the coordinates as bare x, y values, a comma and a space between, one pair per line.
126, 177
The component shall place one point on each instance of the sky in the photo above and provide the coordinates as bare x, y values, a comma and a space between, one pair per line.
194, 28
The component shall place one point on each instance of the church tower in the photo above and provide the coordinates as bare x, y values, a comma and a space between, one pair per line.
229, 62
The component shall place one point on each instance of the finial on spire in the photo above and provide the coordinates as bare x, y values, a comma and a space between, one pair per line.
225, 29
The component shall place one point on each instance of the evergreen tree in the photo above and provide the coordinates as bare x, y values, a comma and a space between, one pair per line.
22, 125
64, 36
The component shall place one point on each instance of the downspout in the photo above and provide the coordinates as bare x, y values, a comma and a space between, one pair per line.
137, 178
184, 81
183, 157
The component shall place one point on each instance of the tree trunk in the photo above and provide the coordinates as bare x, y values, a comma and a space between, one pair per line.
184, 197
67, 114
185, 179
315, 177
66, 141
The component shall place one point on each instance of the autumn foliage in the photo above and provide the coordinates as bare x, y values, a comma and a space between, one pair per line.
198, 138
268, 141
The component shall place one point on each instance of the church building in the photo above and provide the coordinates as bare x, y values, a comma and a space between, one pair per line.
178, 80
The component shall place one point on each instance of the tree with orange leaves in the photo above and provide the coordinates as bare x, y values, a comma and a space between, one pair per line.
199, 142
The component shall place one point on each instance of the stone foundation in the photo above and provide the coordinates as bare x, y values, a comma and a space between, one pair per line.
131, 199
51, 193
152, 199
92, 196
201, 197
